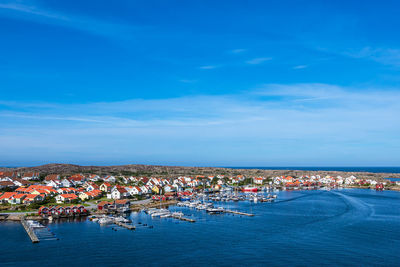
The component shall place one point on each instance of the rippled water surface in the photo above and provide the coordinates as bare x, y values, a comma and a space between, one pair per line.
351, 227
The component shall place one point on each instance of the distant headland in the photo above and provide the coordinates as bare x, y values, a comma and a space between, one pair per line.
173, 171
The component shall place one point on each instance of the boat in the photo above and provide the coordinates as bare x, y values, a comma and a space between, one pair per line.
34, 224
194, 204
122, 219
250, 189
177, 214
151, 210
215, 210
160, 213
105, 220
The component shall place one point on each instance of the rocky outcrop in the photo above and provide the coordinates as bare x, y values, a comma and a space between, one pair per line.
173, 171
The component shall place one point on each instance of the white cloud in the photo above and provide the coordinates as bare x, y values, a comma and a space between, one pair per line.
274, 121
386, 56
187, 81
238, 51
208, 67
298, 67
33, 10
43, 15
259, 60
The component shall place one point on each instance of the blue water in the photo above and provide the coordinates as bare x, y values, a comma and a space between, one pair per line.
350, 227
344, 169
393, 179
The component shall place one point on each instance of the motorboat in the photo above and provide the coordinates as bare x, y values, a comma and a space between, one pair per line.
34, 224
151, 210
215, 210
122, 219
105, 220
250, 189
160, 212
177, 214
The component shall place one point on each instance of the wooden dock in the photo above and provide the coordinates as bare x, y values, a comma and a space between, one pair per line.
183, 218
29, 231
124, 225
239, 213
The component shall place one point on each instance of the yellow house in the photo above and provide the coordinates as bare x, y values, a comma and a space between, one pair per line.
83, 196
35, 192
105, 187
156, 189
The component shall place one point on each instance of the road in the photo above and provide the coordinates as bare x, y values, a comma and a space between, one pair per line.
91, 205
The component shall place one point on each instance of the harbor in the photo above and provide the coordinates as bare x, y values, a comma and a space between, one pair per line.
317, 218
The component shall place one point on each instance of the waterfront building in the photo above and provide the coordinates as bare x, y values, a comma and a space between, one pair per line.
7, 197
66, 198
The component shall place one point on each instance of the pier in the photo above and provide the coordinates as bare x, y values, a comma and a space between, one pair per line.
125, 225
183, 218
29, 231
239, 213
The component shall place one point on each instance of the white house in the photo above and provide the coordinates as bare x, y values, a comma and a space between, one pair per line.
118, 193
258, 180
66, 183
31, 176
133, 179
53, 183
145, 189
6, 179
135, 190
169, 188
110, 179
94, 178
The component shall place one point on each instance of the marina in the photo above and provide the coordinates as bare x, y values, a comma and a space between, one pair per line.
311, 224
201, 133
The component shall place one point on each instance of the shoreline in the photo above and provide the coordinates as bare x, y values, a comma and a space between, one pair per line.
17, 216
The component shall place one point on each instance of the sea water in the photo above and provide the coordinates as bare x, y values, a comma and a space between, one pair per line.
349, 227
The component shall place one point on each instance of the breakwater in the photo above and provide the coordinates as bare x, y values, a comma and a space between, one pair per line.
29, 231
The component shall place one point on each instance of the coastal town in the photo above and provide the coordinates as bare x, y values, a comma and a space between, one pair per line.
32, 197
32, 191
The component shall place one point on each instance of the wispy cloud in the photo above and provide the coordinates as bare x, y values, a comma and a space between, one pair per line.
208, 67
35, 12
276, 121
238, 51
259, 60
299, 67
383, 55
187, 81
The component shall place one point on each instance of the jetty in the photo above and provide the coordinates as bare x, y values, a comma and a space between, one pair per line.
29, 231
153, 204
238, 213
183, 218
125, 225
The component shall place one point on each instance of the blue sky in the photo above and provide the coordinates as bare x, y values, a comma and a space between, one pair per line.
205, 83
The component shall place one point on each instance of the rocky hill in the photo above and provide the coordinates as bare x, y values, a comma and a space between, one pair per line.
173, 171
